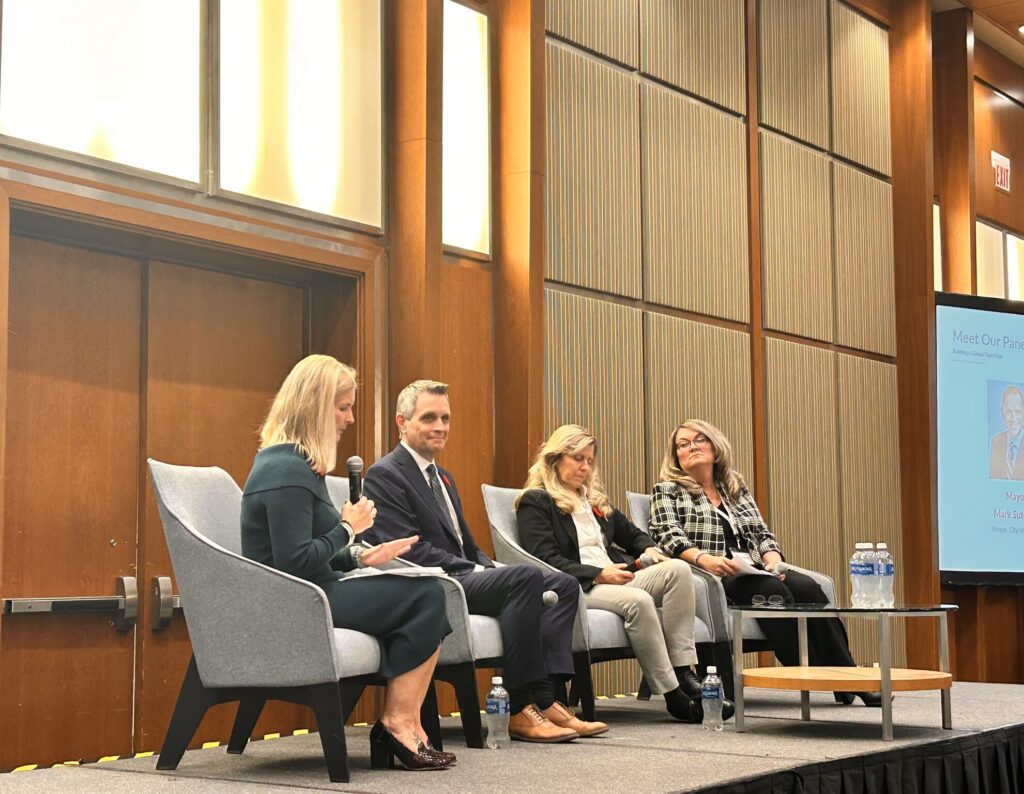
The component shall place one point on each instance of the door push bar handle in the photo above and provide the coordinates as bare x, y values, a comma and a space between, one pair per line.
124, 606
163, 602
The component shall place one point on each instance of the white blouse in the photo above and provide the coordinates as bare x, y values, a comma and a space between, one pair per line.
588, 534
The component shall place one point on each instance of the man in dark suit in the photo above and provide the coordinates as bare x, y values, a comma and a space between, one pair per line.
415, 496
1006, 461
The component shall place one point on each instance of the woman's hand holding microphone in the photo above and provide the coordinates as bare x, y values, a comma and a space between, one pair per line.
360, 517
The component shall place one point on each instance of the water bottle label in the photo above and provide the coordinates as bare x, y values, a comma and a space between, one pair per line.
497, 706
711, 692
862, 569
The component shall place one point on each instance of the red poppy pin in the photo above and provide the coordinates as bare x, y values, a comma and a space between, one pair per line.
446, 480
597, 512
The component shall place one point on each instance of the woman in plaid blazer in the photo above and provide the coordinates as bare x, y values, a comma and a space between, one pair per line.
702, 512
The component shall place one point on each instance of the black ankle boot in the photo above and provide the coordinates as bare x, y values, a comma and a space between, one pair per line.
688, 682
684, 708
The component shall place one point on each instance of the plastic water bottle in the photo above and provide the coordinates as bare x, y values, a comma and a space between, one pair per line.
886, 572
711, 697
872, 582
497, 716
862, 572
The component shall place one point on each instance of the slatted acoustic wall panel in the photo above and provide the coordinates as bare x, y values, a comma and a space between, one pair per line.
793, 73
865, 302
870, 478
694, 175
608, 27
594, 377
803, 475
698, 46
860, 89
696, 371
796, 224
593, 171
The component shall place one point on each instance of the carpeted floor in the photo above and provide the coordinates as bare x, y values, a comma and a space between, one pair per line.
644, 751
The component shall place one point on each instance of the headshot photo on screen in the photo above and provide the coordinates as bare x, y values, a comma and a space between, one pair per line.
1006, 428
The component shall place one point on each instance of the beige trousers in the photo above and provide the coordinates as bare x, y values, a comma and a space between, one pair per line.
662, 644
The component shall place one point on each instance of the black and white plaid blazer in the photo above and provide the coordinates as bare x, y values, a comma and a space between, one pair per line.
681, 521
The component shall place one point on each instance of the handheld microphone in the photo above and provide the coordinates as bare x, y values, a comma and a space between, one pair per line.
355, 478
780, 569
644, 561
549, 597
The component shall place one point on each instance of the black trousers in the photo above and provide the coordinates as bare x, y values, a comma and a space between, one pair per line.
827, 642
537, 639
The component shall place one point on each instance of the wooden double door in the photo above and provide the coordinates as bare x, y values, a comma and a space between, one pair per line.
113, 359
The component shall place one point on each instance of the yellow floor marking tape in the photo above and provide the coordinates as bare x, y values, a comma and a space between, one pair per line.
360, 724
106, 758
147, 754
602, 697
456, 713
72, 763
209, 745
300, 732
620, 696
26, 768
271, 736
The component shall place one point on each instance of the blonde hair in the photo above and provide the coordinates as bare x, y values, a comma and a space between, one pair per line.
722, 471
566, 440
303, 410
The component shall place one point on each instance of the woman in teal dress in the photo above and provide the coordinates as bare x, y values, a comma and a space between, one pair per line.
290, 523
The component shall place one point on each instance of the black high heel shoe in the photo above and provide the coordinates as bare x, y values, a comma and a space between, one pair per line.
426, 748
384, 748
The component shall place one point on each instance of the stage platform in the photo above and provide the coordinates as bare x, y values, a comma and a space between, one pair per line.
645, 751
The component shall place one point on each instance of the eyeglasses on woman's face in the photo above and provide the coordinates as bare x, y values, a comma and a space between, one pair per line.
699, 440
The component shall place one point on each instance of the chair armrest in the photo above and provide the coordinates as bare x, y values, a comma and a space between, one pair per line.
252, 625
719, 621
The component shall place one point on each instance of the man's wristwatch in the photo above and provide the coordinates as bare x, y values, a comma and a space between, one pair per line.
357, 554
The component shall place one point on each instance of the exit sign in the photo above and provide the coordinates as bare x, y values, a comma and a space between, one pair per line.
1001, 167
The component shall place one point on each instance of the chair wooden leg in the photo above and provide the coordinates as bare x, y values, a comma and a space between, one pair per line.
463, 679
430, 719
723, 661
583, 685
350, 694
643, 692
325, 701
249, 710
194, 700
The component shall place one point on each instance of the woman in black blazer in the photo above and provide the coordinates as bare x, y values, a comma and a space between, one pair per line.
566, 520
290, 523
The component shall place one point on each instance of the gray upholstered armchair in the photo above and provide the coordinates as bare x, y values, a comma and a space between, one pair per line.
598, 635
257, 634
475, 642
718, 612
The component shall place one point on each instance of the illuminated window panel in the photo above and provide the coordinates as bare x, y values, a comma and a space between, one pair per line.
466, 142
937, 246
1014, 267
300, 104
991, 279
117, 79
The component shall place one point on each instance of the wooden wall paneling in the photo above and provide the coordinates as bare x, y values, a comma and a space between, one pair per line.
694, 370
860, 89
694, 175
468, 369
913, 193
803, 465
869, 478
519, 234
864, 306
593, 199
218, 348
998, 71
796, 233
698, 46
954, 141
415, 50
998, 126
72, 437
794, 68
594, 378
593, 375
610, 27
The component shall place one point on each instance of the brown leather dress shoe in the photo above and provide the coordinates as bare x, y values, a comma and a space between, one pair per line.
565, 717
529, 725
